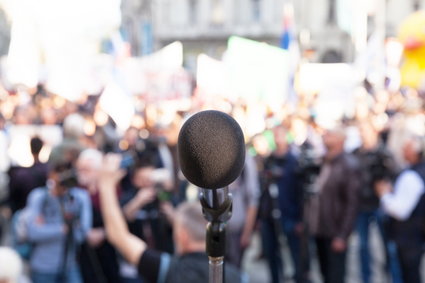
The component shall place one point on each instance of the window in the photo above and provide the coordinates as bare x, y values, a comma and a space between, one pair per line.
331, 12
193, 12
256, 10
217, 12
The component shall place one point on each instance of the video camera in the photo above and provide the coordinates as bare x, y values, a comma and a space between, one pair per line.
309, 165
67, 175
160, 177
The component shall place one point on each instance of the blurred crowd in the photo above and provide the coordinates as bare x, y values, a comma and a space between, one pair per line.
306, 186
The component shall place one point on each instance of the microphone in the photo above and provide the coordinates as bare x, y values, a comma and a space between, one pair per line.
211, 149
211, 152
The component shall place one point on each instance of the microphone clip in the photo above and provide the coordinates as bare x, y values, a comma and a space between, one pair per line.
217, 210
214, 207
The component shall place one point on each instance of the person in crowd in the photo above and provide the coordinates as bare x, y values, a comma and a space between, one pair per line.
24, 114
245, 192
59, 220
405, 203
142, 207
72, 145
133, 148
97, 258
189, 265
4, 168
281, 205
376, 164
167, 148
332, 218
22, 180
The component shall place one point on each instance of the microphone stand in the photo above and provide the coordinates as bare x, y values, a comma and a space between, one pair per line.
217, 210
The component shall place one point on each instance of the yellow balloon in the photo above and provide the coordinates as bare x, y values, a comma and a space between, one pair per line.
412, 35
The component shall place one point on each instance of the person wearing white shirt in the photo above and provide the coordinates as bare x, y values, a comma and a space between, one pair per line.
405, 203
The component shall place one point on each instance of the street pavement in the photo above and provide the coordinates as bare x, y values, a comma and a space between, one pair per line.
258, 271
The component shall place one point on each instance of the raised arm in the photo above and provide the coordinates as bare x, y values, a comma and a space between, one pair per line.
131, 247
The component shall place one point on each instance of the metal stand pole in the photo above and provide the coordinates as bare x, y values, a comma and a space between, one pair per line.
217, 209
216, 269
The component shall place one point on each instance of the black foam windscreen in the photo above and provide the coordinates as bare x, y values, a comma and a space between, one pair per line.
211, 149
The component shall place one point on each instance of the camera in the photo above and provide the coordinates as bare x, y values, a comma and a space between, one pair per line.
160, 177
145, 149
68, 179
309, 165
274, 172
127, 161
378, 166
66, 174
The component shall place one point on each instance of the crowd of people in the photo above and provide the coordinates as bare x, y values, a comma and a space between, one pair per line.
106, 206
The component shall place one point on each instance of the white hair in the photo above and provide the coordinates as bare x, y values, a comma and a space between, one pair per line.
93, 155
73, 125
11, 266
418, 143
192, 219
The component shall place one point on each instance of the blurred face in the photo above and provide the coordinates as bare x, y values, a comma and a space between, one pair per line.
48, 116
54, 176
332, 140
280, 138
261, 145
21, 117
131, 135
410, 151
57, 177
143, 177
86, 172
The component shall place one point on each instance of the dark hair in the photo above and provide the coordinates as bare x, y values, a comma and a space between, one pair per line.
60, 166
66, 174
145, 160
36, 145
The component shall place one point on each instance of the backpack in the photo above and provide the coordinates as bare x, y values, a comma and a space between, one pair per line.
19, 230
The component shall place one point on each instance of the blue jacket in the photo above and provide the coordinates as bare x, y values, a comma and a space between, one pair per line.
48, 234
284, 173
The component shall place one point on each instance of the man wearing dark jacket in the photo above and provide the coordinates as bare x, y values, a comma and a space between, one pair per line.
280, 173
191, 262
376, 164
333, 216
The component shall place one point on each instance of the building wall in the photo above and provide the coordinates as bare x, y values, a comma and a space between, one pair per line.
205, 25
217, 18
397, 11
4, 33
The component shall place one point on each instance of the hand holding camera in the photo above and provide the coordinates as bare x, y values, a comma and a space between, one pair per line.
146, 195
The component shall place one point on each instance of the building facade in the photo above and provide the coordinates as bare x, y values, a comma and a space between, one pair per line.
4, 33
335, 29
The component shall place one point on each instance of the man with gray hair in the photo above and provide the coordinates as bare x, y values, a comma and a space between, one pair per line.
191, 262
97, 257
405, 203
71, 145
